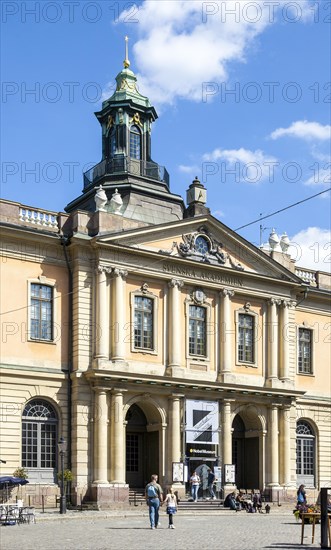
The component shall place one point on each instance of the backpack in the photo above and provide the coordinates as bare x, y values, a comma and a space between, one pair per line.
152, 491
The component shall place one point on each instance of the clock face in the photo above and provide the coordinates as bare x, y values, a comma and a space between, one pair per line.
201, 245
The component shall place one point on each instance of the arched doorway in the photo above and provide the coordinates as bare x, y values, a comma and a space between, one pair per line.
142, 448
245, 454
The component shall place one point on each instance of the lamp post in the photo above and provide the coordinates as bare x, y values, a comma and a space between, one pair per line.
62, 445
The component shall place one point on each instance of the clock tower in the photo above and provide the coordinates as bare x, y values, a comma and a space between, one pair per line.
126, 168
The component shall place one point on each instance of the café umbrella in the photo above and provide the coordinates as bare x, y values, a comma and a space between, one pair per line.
7, 482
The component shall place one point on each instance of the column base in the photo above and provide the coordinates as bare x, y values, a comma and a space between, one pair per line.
105, 495
175, 371
226, 378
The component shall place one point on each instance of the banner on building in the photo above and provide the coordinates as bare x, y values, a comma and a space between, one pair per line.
202, 420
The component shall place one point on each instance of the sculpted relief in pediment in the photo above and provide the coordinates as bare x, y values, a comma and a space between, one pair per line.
201, 246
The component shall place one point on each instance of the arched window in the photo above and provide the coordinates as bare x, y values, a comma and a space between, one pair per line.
112, 142
305, 454
39, 440
135, 143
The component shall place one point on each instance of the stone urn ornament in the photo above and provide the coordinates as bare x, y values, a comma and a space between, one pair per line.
100, 199
116, 202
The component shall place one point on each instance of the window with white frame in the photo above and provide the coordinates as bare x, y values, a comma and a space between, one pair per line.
143, 323
39, 435
246, 338
197, 330
41, 312
305, 454
305, 364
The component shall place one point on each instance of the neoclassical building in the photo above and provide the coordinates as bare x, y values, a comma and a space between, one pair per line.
156, 339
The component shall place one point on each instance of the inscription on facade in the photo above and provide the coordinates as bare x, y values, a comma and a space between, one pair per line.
202, 274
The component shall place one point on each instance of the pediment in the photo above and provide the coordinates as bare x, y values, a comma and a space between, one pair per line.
205, 241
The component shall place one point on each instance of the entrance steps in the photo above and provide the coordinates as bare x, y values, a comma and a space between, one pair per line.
137, 497
200, 505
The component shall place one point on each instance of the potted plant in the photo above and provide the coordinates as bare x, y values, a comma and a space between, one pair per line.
23, 474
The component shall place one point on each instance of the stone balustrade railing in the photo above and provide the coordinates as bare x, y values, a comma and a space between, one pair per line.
307, 275
39, 217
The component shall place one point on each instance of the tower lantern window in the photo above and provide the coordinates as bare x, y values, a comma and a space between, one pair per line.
135, 143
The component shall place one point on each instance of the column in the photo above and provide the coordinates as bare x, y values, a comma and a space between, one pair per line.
284, 374
174, 425
227, 432
117, 437
102, 328
273, 445
286, 444
226, 331
100, 436
119, 314
174, 323
273, 339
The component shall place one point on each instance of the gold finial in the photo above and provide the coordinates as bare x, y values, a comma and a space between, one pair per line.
126, 61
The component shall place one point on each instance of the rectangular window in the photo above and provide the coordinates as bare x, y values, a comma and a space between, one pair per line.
143, 322
197, 331
246, 338
41, 312
305, 351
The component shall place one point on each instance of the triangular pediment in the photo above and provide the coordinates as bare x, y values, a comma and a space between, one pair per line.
201, 240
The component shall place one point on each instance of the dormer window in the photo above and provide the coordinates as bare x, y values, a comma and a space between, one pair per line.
135, 143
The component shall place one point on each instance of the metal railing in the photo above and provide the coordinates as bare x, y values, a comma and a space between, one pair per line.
126, 165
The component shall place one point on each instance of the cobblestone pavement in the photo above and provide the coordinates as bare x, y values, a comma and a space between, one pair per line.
229, 531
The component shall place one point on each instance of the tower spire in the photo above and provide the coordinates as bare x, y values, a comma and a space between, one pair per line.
126, 61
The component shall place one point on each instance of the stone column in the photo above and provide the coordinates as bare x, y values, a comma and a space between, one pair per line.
117, 437
227, 432
284, 371
226, 326
286, 444
102, 319
273, 340
119, 314
100, 436
174, 323
274, 445
174, 425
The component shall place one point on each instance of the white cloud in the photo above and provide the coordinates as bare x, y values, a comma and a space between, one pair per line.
186, 43
193, 169
303, 129
218, 214
249, 166
311, 248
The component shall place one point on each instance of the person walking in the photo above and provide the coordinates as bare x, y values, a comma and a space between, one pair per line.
211, 480
171, 503
154, 497
195, 483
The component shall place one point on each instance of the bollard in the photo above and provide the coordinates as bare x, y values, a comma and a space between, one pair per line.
324, 518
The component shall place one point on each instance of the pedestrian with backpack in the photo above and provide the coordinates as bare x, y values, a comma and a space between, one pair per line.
154, 497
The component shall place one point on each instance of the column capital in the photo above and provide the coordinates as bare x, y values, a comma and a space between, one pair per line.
227, 292
118, 391
274, 301
176, 282
103, 269
101, 389
175, 396
288, 303
116, 272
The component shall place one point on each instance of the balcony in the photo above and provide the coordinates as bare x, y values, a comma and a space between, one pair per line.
126, 165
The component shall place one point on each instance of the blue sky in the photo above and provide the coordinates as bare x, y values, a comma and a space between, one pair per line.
258, 149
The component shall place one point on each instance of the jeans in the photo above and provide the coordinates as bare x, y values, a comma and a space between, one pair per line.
211, 490
154, 505
195, 489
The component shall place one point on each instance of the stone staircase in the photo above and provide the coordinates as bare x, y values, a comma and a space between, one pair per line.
137, 497
204, 505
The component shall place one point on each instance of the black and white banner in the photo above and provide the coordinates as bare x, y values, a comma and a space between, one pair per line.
202, 422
